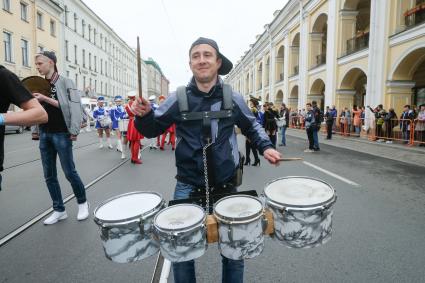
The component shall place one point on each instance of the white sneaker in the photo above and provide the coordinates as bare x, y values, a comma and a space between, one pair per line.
55, 217
83, 211
110, 146
389, 142
122, 155
308, 150
101, 145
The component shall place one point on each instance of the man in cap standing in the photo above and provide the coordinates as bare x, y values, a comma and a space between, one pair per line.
64, 110
204, 94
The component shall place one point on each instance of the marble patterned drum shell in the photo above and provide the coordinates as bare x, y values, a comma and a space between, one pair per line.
302, 227
241, 239
129, 241
182, 244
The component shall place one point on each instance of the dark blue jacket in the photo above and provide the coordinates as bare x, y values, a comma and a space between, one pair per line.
189, 133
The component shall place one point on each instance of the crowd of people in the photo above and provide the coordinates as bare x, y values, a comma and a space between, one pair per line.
386, 126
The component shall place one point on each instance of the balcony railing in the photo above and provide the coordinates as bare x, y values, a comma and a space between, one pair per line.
357, 43
415, 16
296, 70
320, 60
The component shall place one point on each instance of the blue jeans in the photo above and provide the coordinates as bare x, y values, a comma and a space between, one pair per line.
315, 139
184, 272
283, 135
51, 145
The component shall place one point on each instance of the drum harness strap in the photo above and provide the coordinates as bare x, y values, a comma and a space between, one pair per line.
206, 117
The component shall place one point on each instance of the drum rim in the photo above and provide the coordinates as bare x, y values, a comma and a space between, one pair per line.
139, 217
238, 220
185, 229
280, 205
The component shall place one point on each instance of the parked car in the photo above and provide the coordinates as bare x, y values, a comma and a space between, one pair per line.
15, 129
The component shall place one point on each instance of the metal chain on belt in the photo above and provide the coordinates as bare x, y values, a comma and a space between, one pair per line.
207, 188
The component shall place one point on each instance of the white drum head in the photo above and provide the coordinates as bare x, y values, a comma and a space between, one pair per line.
179, 217
238, 206
299, 191
128, 206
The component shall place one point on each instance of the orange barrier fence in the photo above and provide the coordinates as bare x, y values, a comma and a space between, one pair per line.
411, 132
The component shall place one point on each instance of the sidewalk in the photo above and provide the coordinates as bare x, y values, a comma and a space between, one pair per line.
413, 155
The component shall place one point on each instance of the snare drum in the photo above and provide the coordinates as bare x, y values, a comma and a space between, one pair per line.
241, 226
123, 125
105, 122
125, 223
302, 210
180, 230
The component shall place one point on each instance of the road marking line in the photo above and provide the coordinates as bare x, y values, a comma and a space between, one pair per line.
345, 180
40, 216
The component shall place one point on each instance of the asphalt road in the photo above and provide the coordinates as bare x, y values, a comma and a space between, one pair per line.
378, 224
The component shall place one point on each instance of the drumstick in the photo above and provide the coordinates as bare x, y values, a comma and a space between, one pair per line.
139, 69
290, 159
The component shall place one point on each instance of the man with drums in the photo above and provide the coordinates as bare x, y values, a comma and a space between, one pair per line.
103, 122
118, 113
63, 106
206, 154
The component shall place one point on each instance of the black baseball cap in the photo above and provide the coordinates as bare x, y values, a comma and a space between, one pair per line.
51, 55
226, 64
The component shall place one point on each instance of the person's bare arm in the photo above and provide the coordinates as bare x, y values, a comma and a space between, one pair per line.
33, 114
43, 98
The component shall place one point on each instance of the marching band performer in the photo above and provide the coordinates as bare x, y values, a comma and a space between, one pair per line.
133, 136
117, 113
103, 122
171, 131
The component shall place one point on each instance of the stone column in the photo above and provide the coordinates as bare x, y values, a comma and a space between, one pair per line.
398, 94
316, 39
331, 54
348, 28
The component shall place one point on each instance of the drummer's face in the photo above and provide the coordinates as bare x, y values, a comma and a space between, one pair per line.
100, 103
43, 65
118, 102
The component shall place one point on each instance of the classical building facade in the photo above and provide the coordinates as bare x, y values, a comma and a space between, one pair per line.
155, 78
363, 52
94, 56
28, 27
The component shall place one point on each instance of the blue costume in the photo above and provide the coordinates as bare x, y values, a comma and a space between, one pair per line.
117, 113
99, 113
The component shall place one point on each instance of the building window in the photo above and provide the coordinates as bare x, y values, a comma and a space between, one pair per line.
24, 48
67, 74
66, 15
84, 58
90, 33
83, 28
95, 63
94, 36
95, 85
76, 80
101, 66
7, 39
52, 28
75, 22
75, 55
6, 5
66, 50
101, 87
84, 83
89, 61
40, 48
24, 12
40, 20
101, 41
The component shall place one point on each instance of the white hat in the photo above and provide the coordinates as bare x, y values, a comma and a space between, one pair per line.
152, 98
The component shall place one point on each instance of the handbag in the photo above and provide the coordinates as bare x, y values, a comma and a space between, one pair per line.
280, 122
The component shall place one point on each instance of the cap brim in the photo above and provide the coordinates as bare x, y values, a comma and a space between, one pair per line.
226, 65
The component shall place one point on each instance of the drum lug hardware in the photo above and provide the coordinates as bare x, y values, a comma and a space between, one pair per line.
264, 223
230, 232
141, 227
105, 232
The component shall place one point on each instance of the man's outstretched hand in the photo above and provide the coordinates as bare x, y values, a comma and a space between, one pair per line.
140, 107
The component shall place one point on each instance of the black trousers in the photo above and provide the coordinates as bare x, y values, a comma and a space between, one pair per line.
310, 138
329, 126
248, 148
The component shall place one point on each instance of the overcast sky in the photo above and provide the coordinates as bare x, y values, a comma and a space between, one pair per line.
167, 28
